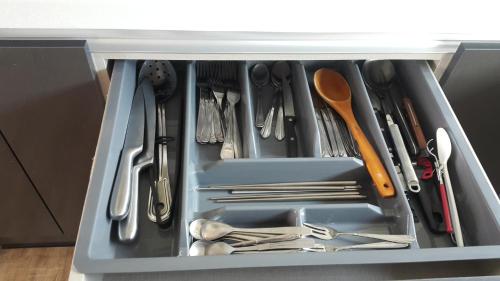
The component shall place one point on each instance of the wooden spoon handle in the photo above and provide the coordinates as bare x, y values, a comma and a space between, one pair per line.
373, 164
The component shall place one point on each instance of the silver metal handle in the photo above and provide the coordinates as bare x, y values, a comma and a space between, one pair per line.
259, 115
127, 228
402, 239
279, 131
295, 244
210, 121
120, 198
265, 132
326, 150
236, 136
201, 119
227, 150
378, 245
408, 171
219, 133
337, 135
205, 130
297, 230
273, 239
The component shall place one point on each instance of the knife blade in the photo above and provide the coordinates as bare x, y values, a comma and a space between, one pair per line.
127, 228
132, 146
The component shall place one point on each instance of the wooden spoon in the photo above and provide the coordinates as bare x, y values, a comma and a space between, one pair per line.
335, 90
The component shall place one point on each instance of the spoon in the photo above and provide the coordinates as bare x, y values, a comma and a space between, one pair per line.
335, 90
260, 78
195, 228
198, 248
221, 248
444, 152
212, 230
162, 74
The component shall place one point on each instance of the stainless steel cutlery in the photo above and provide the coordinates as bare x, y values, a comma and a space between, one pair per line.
209, 232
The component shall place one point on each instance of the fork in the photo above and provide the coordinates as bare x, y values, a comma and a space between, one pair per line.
378, 245
333, 233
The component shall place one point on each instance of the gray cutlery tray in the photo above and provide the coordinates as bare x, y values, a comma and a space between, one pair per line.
166, 250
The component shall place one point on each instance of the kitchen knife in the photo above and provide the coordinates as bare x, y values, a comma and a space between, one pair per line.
290, 120
133, 145
127, 228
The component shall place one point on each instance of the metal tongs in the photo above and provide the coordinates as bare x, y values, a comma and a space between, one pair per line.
161, 209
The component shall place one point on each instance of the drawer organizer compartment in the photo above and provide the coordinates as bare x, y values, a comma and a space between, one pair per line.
264, 161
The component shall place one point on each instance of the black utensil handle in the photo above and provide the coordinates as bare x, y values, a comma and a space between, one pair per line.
291, 137
411, 145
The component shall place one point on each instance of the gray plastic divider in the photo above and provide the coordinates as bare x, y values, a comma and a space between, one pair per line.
306, 128
207, 153
96, 252
477, 203
363, 111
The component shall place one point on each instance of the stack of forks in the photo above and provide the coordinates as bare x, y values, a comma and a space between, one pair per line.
218, 122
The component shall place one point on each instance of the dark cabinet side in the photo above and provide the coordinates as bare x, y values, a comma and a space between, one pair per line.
50, 114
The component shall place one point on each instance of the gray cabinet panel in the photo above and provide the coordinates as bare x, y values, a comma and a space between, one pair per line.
50, 113
23, 217
472, 86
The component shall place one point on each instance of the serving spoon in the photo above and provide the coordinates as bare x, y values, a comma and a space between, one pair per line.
444, 151
335, 90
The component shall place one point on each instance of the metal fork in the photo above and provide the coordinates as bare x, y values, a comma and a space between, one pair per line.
333, 233
378, 245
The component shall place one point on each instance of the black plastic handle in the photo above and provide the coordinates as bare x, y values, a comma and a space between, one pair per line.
291, 137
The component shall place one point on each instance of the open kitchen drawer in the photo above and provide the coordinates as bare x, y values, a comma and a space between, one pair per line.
97, 250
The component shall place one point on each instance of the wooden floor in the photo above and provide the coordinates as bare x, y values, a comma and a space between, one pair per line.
37, 264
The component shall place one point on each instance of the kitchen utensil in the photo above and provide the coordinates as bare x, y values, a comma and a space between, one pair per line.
326, 150
227, 150
260, 78
379, 75
219, 97
279, 131
415, 124
444, 151
211, 112
217, 123
334, 89
265, 131
281, 188
409, 173
403, 239
368, 246
293, 194
127, 228
281, 71
233, 98
162, 74
337, 135
132, 146
162, 208
288, 198
195, 228
305, 183
327, 132
212, 230
198, 248
272, 239
221, 248
202, 116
